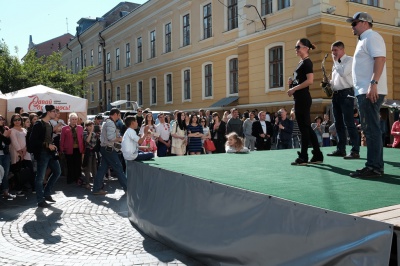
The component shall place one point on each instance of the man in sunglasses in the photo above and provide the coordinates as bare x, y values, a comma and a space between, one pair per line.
370, 88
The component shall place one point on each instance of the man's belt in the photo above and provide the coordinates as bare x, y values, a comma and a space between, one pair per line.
345, 89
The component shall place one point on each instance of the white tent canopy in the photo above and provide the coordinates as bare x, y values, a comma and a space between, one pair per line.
34, 98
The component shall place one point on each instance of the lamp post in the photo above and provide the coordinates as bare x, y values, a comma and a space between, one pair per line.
263, 20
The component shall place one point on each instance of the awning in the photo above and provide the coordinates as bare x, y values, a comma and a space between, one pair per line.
225, 101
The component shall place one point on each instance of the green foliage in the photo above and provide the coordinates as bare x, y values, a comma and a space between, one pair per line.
48, 71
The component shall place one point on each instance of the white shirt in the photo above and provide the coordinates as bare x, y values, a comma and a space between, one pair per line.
370, 45
130, 143
342, 74
164, 131
264, 126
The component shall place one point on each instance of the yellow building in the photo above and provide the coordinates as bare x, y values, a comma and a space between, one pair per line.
219, 54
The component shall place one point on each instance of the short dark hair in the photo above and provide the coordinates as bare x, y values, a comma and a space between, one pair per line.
339, 44
160, 114
99, 117
114, 111
129, 119
88, 123
18, 109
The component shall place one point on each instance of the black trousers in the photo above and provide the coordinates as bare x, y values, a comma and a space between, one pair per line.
74, 164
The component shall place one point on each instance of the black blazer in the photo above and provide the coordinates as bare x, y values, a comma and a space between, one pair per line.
256, 130
36, 139
220, 141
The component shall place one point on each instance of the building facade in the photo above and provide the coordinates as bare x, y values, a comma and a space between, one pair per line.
219, 54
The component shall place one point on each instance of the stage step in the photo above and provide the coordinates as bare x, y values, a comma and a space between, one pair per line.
390, 214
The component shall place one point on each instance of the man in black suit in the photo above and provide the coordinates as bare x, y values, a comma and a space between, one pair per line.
263, 131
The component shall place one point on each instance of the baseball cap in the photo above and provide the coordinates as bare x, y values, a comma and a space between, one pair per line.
361, 16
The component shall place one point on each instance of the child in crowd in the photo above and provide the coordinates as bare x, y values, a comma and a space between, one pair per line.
130, 145
89, 163
149, 143
235, 144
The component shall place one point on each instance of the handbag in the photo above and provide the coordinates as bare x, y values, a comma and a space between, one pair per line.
209, 145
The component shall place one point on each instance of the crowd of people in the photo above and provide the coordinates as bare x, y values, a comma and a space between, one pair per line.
37, 147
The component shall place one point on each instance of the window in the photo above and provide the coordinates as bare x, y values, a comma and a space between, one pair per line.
207, 22
275, 67
356, 1
117, 59
99, 55
84, 59
283, 4
186, 30
92, 92
153, 44
233, 76
266, 7
208, 80
232, 14
140, 93
118, 96
186, 84
153, 92
108, 97
108, 68
127, 55
168, 88
139, 50
128, 95
373, 3
100, 91
91, 57
76, 64
168, 37
72, 69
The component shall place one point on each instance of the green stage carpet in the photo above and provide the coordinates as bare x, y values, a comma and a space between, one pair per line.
326, 185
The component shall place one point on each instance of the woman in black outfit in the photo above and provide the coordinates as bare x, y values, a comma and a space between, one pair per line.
218, 131
303, 77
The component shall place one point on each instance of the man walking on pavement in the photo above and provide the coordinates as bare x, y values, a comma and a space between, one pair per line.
343, 103
109, 139
370, 87
45, 152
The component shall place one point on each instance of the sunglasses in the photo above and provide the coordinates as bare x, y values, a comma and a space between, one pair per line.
17, 119
354, 23
297, 47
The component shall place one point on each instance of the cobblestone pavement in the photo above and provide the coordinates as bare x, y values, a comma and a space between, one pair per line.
79, 229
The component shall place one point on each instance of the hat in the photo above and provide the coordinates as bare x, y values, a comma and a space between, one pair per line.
362, 16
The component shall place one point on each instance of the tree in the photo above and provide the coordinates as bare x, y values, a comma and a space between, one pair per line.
47, 71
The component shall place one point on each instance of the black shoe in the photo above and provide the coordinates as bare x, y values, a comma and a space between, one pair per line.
337, 153
352, 155
43, 204
366, 172
318, 157
49, 198
300, 160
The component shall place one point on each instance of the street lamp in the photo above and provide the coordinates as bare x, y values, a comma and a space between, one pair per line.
263, 20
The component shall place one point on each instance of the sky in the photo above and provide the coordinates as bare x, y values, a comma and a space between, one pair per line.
46, 19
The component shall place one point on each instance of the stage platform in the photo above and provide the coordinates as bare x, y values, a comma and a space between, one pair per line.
220, 208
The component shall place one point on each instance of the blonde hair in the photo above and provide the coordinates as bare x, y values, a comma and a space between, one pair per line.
239, 144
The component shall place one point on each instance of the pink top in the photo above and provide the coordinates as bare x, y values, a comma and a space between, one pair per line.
150, 143
67, 140
395, 132
18, 142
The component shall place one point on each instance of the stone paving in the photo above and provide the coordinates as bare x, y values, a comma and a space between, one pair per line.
79, 229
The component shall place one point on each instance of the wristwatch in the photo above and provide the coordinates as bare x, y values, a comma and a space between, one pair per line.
374, 82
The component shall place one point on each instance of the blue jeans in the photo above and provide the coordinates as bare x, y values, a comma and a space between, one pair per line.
109, 159
369, 117
5, 161
144, 156
343, 110
46, 160
283, 145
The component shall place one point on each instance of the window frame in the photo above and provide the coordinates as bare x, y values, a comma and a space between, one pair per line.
207, 20
127, 54
186, 30
266, 7
100, 90
91, 57
168, 87
184, 82
232, 20
108, 63
153, 91
99, 54
282, 4
167, 37
128, 96
267, 67
139, 90
205, 78
92, 92
117, 58
228, 75
139, 50
152, 44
